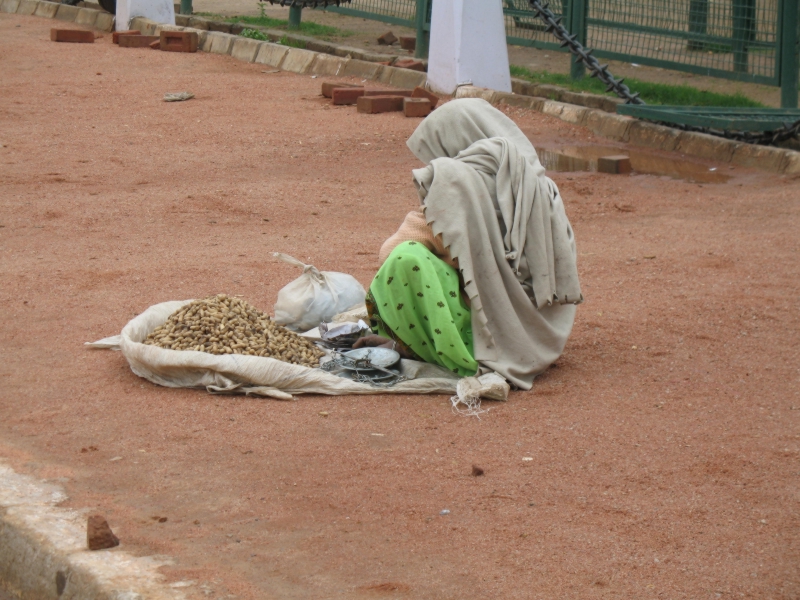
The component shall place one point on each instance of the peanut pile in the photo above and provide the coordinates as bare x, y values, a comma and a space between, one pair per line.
225, 325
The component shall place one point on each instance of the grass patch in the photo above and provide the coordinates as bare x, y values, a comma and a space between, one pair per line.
255, 34
306, 27
652, 93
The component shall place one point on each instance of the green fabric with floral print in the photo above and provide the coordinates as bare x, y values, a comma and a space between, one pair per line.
416, 299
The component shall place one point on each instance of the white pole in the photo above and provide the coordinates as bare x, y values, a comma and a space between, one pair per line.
160, 11
468, 46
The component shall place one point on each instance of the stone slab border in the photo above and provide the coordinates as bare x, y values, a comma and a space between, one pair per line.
43, 554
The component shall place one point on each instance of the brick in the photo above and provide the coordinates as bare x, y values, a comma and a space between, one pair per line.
86, 17
67, 13
410, 63
75, 36
403, 93
271, 54
379, 104
27, 7
408, 43
297, 60
343, 96
117, 34
325, 64
46, 9
155, 45
387, 39
416, 107
421, 92
137, 41
329, 86
105, 22
245, 49
615, 165
179, 41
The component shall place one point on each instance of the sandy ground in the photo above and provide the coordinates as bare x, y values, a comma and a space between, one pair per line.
664, 443
364, 34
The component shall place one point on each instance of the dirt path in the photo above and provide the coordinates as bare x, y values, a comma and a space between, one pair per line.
664, 443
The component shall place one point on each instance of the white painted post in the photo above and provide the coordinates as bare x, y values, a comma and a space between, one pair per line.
468, 45
160, 11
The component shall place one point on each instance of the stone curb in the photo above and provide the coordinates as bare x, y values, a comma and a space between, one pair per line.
276, 35
287, 58
649, 135
43, 553
88, 17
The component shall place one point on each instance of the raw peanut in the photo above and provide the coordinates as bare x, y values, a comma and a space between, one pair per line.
227, 325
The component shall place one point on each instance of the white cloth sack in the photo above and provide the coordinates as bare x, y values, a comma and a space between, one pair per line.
237, 373
315, 297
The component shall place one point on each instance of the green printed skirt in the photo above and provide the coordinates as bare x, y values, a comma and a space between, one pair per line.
415, 299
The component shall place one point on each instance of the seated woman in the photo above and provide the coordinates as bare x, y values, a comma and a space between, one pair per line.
483, 277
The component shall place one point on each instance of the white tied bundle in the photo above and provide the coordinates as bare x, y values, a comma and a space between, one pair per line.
315, 297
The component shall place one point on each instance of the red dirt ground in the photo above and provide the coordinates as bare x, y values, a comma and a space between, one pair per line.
664, 443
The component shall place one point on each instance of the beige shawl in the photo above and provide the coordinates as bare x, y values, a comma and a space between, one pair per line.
484, 191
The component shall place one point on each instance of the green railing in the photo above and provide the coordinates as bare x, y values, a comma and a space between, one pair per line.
743, 40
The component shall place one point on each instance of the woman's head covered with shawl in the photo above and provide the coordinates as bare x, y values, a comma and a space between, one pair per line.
456, 125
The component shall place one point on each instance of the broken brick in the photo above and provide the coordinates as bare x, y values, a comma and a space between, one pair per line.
387, 39
346, 95
156, 45
416, 107
329, 86
421, 92
404, 93
99, 535
179, 41
410, 63
116, 35
408, 43
379, 104
137, 41
616, 165
74, 36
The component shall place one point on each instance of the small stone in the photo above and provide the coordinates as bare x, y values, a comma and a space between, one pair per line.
99, 535
323, 413
476, 471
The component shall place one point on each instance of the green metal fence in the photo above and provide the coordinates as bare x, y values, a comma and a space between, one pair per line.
744, 40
